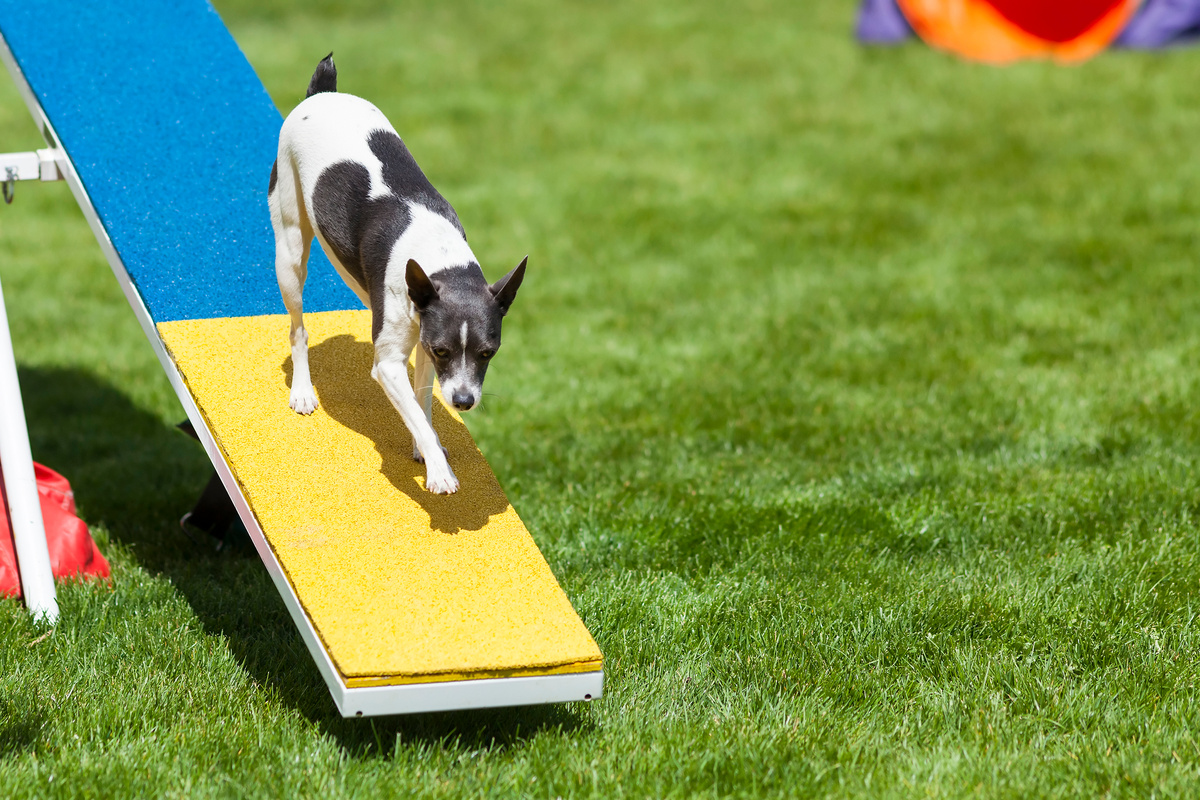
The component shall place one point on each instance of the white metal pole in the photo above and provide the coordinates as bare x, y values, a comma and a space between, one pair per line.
20, 487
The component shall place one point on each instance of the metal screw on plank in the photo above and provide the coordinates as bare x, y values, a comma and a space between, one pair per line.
10, 179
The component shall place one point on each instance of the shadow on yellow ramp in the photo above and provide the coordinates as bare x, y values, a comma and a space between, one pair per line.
402, 586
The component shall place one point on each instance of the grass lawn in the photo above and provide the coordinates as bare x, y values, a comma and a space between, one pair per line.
851, 396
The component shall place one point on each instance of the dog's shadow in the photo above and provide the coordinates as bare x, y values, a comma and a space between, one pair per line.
341, 373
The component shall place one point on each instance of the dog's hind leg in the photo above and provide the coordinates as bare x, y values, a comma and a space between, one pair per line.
293, 236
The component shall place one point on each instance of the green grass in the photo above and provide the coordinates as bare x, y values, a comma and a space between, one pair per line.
851, 396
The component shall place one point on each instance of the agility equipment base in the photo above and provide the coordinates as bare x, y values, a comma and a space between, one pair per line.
407, 601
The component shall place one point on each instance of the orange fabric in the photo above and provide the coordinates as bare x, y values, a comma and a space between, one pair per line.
975, 29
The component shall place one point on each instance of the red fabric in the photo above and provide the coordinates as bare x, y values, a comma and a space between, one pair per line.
1003, 31
1054, 21
72, 551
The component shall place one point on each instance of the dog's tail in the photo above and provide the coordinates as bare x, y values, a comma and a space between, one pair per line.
324, 79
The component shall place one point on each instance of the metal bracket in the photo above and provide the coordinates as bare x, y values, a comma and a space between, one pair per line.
41, 165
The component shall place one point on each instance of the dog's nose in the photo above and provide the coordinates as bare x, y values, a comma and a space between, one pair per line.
463, 401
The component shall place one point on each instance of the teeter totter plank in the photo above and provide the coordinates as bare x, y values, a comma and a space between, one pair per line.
407, 601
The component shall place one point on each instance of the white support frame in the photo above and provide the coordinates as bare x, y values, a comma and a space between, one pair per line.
20, 488
350, 701
40, 165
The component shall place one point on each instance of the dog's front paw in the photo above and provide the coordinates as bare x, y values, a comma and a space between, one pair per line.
441, 481
303, 402
420, 459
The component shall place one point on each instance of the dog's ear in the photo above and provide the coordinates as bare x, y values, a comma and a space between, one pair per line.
420, 289
505, 289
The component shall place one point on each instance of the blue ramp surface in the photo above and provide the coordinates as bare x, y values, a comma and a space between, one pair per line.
173, 137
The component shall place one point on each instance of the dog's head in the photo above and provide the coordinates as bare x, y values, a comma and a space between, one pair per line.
460, 324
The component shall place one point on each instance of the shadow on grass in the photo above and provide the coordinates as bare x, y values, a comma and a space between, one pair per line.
234, 597
136, 475
22, 719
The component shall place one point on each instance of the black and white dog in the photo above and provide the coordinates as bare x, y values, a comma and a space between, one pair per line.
344, 175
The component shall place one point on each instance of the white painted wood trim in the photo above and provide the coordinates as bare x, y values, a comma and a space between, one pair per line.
20, 487
483, 693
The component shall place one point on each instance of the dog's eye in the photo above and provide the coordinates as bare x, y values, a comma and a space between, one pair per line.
486, 354
441, 352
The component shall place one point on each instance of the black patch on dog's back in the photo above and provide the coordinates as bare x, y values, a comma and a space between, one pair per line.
339, 200
274, 176
360, 231
405, 178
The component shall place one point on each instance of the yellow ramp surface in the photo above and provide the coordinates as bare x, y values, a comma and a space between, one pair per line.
402, 586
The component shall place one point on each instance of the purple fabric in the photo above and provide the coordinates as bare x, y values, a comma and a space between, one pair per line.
881, 22
1159, 23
